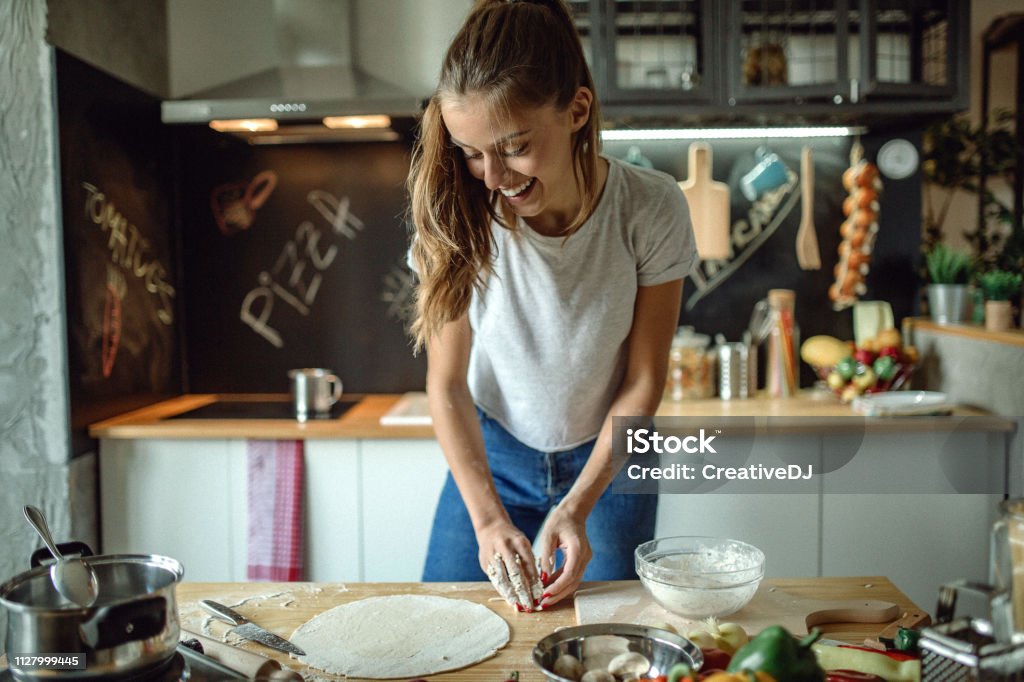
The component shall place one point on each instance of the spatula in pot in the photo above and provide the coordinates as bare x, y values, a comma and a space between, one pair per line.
808, 255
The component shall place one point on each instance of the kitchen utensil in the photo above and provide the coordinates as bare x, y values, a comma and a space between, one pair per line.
248, 630
314, 391
698, 577
808, 255
972, 648
601, 641
132, 627
251, 665
783, 378
629, 602
71, 576
709, 205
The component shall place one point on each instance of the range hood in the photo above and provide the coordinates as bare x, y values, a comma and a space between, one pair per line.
313, 76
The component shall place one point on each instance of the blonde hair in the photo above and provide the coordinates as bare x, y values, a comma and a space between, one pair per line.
512, 53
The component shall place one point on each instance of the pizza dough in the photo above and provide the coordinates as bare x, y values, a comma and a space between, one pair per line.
404, 635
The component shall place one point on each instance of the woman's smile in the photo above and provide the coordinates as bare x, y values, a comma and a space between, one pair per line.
518, 193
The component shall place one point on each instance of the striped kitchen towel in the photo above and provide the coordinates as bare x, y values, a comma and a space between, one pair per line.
275, 509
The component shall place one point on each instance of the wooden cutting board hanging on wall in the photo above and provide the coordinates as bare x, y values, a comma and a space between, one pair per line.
709, 205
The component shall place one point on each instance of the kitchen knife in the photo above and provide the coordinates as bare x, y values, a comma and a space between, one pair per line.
246, 629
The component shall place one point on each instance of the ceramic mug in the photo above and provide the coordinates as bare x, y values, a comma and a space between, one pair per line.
314, 391
769, 173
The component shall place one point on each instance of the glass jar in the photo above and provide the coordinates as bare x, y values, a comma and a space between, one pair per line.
783, 372
691, 366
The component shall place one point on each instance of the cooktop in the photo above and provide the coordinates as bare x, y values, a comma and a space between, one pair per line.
259, 409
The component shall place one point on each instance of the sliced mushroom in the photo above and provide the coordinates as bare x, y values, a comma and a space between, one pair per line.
629, 664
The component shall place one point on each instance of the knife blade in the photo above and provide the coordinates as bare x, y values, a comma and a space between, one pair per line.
246, 629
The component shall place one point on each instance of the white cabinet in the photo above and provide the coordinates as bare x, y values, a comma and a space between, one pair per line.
368, 505
919, 540
401, 481
183, 499
333, 515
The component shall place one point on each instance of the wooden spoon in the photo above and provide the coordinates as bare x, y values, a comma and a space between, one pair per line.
808, 255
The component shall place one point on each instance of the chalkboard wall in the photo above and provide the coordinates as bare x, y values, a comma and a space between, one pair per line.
120, 280
294, 256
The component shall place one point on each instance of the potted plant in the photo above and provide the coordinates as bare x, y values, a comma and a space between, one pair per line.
948, 270
999, 286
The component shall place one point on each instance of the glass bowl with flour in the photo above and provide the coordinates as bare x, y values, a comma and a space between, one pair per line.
698, 577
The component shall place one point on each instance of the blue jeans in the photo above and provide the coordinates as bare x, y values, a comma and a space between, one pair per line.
530, 483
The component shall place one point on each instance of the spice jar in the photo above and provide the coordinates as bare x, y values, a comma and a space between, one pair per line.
783, 339
691, 366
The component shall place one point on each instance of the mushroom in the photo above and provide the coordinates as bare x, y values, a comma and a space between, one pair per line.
629, 664
568, 666
597, 676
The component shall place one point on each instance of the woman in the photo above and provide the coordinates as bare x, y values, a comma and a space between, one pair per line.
550, 285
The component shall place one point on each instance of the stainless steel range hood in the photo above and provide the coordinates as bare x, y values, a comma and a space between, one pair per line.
312, 76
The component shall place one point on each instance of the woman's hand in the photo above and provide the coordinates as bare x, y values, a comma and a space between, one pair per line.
566, 531
507, 559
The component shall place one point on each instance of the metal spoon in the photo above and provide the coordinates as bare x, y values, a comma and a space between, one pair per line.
72, 577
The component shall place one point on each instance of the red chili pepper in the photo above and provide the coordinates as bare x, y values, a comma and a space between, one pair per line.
851, 676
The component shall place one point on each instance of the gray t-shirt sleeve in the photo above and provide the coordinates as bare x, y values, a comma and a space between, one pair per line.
667, 249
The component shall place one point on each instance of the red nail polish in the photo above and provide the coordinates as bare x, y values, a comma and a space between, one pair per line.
544, 596
519, 608
544, 577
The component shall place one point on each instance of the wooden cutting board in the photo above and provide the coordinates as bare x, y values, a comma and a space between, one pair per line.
709, 205
629, 602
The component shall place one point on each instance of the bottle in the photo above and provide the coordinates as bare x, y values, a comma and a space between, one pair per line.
783, 372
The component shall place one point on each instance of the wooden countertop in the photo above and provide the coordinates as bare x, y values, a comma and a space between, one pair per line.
282, 607
809, 412
976, 332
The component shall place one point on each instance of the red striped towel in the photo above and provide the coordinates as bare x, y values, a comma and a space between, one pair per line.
275, 509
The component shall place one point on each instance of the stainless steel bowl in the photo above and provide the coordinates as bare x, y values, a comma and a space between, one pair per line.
662, 648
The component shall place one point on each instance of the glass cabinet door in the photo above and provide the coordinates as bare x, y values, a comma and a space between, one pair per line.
655, 50
789, 50
913, 48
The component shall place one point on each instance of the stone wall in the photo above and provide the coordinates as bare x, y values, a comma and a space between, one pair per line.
34, 447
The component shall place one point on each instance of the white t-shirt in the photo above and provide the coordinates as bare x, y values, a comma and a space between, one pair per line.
550, 325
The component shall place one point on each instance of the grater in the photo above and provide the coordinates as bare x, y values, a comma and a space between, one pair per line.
972, 649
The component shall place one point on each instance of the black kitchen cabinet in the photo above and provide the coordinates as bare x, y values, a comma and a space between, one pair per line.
655, 51
757, 60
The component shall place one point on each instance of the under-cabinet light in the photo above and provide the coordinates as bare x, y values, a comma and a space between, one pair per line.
368, 121
244, 125
728, 133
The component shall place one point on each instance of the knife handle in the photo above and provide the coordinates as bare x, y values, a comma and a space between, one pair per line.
223, 612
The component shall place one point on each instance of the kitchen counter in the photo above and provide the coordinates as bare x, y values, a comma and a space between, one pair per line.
285, 606
809, 411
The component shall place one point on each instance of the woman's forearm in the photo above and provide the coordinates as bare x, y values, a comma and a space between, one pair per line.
458, 432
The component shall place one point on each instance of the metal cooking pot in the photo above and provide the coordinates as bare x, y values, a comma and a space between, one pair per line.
132, 626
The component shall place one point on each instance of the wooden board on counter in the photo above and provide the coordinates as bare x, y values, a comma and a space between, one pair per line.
282, 607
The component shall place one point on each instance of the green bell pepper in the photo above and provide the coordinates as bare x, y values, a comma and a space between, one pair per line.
775, 651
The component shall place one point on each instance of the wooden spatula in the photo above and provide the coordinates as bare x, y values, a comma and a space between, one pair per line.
808, 255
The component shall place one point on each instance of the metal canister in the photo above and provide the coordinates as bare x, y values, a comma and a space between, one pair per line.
734, 371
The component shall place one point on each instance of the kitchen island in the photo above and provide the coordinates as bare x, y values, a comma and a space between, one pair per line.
285, 606
163, 480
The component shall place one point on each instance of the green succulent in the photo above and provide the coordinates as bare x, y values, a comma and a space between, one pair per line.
947, 265
999, 285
